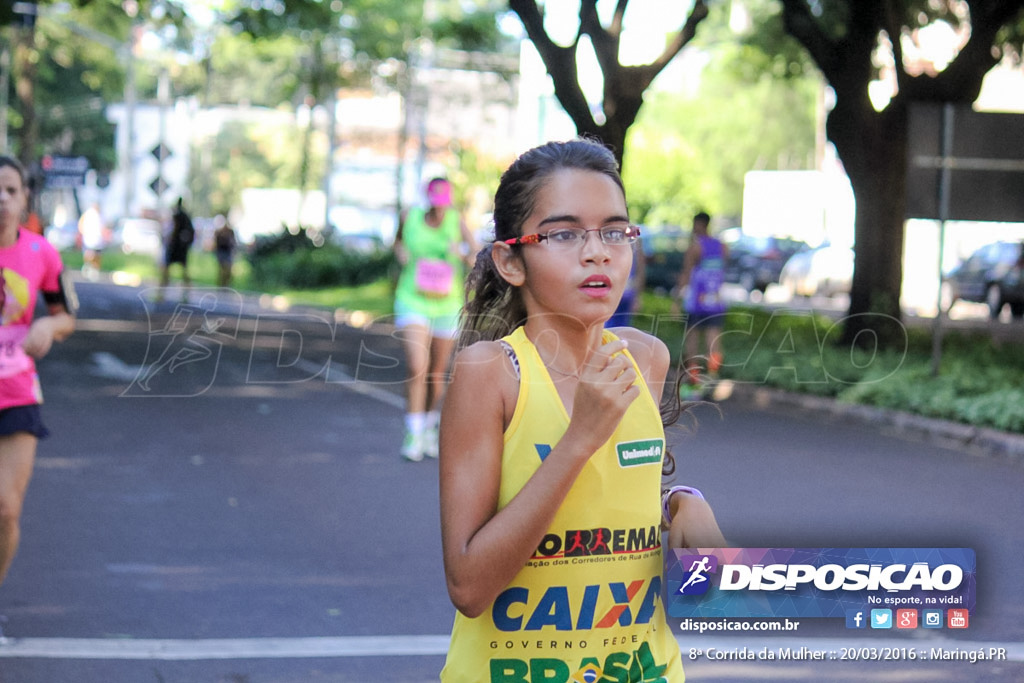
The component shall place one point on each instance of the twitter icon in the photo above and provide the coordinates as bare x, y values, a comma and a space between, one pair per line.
881, 618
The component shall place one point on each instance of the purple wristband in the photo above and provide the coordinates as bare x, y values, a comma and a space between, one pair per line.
665, 514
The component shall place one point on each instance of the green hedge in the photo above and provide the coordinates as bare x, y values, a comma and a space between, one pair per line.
296, 261
979, 382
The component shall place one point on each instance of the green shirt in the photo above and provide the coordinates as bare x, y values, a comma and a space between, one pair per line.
425, 243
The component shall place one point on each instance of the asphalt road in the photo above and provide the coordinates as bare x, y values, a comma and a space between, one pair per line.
222, 500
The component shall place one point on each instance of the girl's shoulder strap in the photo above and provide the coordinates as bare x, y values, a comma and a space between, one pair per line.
511, 353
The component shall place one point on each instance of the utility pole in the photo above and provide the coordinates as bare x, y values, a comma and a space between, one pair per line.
129, 115
163, 96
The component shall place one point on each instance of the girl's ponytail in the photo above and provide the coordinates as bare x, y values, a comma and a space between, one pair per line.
493, 307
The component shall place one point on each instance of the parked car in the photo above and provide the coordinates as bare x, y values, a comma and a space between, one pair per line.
756, 261
823, 271
991, 275
663, 249
139, 236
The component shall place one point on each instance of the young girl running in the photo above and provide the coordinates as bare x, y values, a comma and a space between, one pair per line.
552, 444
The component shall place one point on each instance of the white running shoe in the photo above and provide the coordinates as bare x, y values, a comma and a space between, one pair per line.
412, 447
430, 445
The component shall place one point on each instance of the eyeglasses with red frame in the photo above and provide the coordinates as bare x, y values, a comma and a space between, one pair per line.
614, 234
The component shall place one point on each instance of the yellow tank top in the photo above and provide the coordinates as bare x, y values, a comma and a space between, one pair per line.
588, 604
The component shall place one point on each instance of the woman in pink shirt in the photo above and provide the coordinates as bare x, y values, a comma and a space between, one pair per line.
28, 265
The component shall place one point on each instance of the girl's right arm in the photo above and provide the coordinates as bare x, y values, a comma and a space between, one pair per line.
484, 548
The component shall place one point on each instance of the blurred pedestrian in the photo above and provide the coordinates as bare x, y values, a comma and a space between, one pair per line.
700, 285
28, 265
32, 223
432, 246
178, 244
224, 244
92, 233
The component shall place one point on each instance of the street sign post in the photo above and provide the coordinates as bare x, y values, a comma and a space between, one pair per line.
984, 162
963, 165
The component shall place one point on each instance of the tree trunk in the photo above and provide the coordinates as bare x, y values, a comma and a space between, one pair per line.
873, 148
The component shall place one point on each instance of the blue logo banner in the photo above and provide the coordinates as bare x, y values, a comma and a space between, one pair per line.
817, 582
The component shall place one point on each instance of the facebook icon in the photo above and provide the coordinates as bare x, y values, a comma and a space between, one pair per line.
855, 619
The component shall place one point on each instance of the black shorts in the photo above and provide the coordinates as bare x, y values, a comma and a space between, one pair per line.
23, 419
176, 255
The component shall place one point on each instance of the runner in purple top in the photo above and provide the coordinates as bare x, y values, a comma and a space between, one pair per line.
700, 283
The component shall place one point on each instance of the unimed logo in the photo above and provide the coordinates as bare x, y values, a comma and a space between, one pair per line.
633, 453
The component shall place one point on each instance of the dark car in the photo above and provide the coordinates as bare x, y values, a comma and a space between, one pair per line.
991, 275
756, 261
663, 249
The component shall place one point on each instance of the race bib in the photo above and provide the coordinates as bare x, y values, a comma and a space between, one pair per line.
13, 359
434, 278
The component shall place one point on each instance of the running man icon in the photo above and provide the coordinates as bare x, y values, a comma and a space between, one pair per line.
697, 580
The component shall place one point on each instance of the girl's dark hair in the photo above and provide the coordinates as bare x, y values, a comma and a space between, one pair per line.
11, 162
494, 308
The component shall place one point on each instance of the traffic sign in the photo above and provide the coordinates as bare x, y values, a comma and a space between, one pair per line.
160, 152
982, 155
62, 171
159, 186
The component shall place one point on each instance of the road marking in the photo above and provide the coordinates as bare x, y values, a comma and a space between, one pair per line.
408, 646
109, 366
341, 377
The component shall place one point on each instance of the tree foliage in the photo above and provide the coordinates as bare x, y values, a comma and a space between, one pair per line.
754, 109
245, 155
845, 39
67, 65
688, 153
624, 86
344, 40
